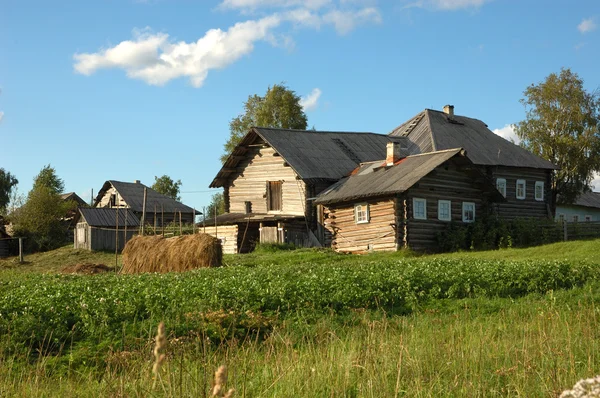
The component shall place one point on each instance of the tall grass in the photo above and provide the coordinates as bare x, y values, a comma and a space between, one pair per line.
535, 346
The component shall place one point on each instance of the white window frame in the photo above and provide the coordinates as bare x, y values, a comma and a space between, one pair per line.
419, 200
588, 218
561, 217
503, 190
361, 208
524, 189
575, 217
535, 192
464, 205
445, 202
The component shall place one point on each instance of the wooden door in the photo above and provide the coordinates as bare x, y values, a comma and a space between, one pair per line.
274, 196
269, 235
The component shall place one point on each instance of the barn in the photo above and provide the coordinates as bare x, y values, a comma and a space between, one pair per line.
105, 228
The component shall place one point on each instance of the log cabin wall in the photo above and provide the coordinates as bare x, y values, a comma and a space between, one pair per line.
249, 183
447, 182
523, 208
378, 234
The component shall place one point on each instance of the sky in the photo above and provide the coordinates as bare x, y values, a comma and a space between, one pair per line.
132, 89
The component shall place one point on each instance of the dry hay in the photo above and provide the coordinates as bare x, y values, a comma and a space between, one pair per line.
87, 269
181, 253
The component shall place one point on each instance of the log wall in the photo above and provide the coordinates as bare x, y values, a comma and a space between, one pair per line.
447, 182
228, 235
249, 183
523, 208
376, 235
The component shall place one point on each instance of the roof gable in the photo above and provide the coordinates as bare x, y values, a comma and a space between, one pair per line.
314, 155
433, 130
133, 194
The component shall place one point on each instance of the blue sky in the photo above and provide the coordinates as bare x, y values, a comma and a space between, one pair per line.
128, 89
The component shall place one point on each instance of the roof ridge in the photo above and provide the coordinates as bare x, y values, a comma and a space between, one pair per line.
317, 131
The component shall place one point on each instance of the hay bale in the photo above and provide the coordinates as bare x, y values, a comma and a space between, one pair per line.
181, 253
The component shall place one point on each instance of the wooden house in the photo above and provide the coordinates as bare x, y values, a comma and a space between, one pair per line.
522, 177
105, 228
161, 210
585, 208
273, 175
405, 201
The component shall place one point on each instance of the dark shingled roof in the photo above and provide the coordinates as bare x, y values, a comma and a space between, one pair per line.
373, 179
433, 131
107, 217
75, 197
133, 194
589, 199
315, 155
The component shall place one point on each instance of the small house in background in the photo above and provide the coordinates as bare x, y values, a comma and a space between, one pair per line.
586, 208
161, 210
74, 197
70, 219
97, 229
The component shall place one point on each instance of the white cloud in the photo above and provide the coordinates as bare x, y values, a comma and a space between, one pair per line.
447, 5
596, 182
255, 4
156, 59
586, 25
345, 21
508, 133
1, 116
311, 101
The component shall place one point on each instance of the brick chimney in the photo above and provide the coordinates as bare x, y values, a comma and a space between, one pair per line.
137, 182
394, 153
449, 110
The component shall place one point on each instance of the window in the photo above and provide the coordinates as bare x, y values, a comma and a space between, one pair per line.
274, 198
501, 186
521, 193
113, 200
419, 209
588, 218
575, 218
561, 218
444, 210
248, 207
468, 211
539, 190
361, 213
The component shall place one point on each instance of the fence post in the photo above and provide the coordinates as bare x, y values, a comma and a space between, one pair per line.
21, 260
565, 236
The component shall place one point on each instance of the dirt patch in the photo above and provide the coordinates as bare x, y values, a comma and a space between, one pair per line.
87, 269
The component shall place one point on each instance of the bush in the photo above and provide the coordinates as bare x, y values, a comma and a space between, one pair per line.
493, 233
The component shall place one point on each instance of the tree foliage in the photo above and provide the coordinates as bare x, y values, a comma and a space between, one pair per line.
216, 202
7, 182
562, 125
279, 108
40, 219
167, 186
47, 178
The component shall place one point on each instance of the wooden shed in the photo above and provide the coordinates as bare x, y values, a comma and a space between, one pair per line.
105, 228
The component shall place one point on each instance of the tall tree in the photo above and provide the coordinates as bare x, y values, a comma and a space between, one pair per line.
47, 178
217, 203
562, 125
167, 186
7, 182
279, 107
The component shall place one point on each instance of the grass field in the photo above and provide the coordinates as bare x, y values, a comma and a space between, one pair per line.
308, 323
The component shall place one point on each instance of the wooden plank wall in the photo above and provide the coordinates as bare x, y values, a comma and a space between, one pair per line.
228, 235
377, 235
249, 183
104, 239
444, 183
524, 208
4, 248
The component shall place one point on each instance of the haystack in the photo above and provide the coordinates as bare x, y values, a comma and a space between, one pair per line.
178, 254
